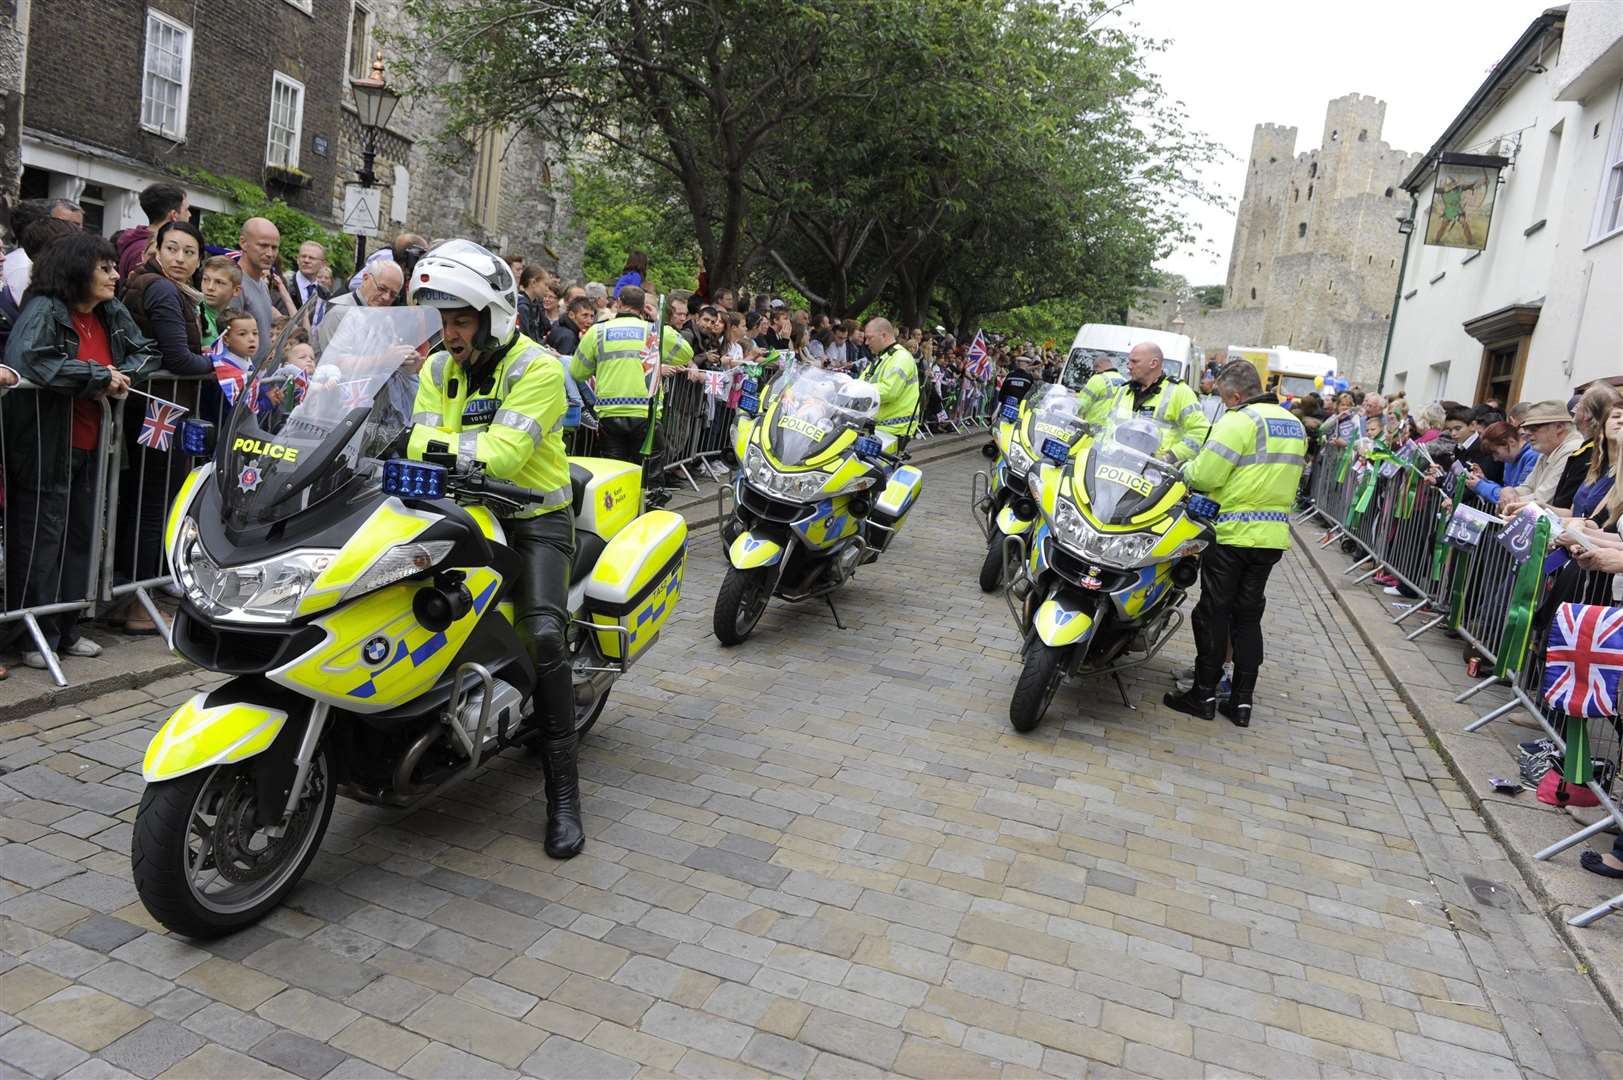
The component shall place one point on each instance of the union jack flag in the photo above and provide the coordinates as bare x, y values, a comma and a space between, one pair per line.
158, 426
978, 359
1584, 660
230, 372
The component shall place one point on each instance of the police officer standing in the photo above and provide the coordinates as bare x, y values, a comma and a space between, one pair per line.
1099, 392
1149, 391
612, 350
496, 398
1251, 466
896, 374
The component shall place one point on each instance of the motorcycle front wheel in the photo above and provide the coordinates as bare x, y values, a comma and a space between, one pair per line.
202, 864
741, 603
1039, 679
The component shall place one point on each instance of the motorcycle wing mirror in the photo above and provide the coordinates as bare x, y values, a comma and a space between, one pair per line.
197, 438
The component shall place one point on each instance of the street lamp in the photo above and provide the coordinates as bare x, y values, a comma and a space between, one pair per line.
375, 101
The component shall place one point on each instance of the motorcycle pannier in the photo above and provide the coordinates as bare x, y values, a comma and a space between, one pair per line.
636, 581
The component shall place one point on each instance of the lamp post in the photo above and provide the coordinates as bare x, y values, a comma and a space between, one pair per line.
375, 101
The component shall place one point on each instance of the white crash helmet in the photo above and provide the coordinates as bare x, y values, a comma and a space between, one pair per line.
461, 274
859, 397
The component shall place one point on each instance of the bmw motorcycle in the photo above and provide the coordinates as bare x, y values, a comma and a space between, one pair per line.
1113, 555
1002, 505
817, 493
362, 606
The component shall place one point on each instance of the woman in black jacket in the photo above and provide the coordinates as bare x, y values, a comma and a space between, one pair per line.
162, 297
80, 346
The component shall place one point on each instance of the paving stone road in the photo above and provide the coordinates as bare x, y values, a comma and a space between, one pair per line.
824, 853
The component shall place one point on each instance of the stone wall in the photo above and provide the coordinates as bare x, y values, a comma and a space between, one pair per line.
11, 107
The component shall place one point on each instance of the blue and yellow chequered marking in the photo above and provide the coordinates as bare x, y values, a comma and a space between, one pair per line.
338, 672
199, 736
749, 552
1151, 584
900, 493
644, 621
1059, 624
830, 524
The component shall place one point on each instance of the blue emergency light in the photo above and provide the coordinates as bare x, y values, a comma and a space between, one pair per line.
197, 438
868, 446
749, 404
1203, 507
1011, 411
413, 479
1056, 451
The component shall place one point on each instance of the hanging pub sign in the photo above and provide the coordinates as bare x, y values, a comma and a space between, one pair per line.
1462, 200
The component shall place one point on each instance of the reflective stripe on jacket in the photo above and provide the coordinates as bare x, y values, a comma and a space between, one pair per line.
1252, 464
512, 425
1097, 394
896, 374
612, 351
1172, 403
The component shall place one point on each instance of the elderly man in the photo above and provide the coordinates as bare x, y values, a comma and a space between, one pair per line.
1149, 392
1549, 430
302, 284
259, 241
896, 374
381, 282
408, 247
1369, 425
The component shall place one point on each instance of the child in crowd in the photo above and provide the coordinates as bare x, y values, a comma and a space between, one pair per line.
302, 355
222, 284
233, 360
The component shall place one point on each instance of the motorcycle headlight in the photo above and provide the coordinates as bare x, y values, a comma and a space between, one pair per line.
1020, 462
262, 592
1121, 550
398, 563
799, 486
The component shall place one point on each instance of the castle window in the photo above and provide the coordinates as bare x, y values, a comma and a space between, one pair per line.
1391, 264
1310, 193
1370, 261
1363, 135
1335, 136
1388, 193
1259, 266
1301, 229
1296, 194
1272, 160
1253, 294
1313, 170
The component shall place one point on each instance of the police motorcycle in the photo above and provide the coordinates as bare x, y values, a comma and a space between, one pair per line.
1102, 576
817, 493
362, 606
1002, 507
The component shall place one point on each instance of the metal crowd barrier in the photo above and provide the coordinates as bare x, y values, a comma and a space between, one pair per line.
1473, 589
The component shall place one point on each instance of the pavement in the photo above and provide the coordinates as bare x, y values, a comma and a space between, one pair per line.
825, 853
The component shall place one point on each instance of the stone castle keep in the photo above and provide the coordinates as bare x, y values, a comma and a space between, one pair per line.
1316, 243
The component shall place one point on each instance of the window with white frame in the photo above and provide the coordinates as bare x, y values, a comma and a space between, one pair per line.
1609, 214
286, 122
166, 74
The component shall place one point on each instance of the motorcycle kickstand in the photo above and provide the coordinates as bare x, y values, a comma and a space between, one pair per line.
832, 610
1121, 686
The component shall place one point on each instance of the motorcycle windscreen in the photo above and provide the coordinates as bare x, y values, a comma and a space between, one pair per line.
322, 407
813, 408
1052, 412
1123, 476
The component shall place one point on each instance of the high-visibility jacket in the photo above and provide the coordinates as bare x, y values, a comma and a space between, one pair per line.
612, 351
1171, 402
1251, 465
1097, 395
896, 374
512, 423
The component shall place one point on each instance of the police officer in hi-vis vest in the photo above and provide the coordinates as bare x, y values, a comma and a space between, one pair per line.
1251, 465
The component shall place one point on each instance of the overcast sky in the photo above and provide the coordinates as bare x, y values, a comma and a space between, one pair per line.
1239, 63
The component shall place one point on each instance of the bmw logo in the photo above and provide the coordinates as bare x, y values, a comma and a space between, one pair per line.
376, 651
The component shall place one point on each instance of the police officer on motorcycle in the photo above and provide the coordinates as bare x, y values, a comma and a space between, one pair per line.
1251, 466
495, 397
1149, 391
1099, 392
896, 374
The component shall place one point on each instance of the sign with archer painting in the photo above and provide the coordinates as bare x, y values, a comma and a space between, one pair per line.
1462, 200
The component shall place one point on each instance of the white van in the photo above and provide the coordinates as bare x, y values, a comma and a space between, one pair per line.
1096, 338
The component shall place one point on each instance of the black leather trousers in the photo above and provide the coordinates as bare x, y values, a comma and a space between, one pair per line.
1233, 585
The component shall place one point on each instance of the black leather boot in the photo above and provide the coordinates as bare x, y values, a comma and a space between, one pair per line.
1200, 700
555, 700
1237, 706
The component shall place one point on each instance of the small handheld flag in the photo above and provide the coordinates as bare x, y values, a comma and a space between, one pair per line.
979, 359
159, 424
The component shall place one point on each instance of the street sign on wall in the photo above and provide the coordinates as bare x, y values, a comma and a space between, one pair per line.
362, 209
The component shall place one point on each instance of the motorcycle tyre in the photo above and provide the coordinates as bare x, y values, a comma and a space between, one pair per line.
1040, 677
159, 842
992, 565
738, 587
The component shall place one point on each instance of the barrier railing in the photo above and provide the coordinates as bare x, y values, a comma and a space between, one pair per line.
1500, 602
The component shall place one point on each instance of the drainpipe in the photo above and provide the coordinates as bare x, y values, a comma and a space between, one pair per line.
1397, 293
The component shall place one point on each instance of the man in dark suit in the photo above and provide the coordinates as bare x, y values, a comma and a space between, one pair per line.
1465, 426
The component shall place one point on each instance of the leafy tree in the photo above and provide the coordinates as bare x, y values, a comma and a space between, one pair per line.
620, 218
1209, 295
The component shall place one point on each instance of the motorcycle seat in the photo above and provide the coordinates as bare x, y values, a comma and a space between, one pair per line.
579, 477
588, 549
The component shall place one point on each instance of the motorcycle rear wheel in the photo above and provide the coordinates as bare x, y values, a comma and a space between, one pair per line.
176, 852
740, 603
1039, 679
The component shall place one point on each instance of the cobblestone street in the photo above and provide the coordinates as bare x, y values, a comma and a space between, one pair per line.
825, 853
